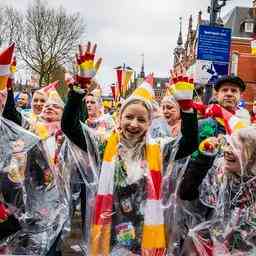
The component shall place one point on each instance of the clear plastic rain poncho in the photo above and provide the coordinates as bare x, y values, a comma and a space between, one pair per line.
228, 192
179, 214
77, 174
32, 208
128, 216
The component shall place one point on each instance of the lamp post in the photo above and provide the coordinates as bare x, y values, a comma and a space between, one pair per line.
213, 10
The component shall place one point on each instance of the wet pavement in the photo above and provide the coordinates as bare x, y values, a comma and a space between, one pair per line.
71, 245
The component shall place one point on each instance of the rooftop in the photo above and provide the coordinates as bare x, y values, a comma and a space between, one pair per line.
236, 18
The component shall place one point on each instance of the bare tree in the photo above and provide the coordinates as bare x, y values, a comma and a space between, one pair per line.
48, 38
10, 23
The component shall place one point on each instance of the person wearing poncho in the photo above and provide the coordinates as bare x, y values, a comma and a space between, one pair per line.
127, 213
228, 92
171, 112
227, 194
37, 103
29, 119
24, 115
44, 120
32, 209
100, 123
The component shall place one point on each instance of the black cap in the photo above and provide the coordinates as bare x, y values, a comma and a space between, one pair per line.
230, 79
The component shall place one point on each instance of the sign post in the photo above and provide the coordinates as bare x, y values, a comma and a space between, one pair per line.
213, 53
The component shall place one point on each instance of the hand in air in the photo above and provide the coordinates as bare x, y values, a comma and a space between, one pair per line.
87, 67
182, 89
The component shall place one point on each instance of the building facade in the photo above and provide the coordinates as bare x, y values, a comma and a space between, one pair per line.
242, 21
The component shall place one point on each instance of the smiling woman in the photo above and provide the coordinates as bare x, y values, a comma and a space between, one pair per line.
227, 195
127, 211
134, 120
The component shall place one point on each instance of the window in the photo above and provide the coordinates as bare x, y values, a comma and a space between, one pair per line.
249, 27
234, 63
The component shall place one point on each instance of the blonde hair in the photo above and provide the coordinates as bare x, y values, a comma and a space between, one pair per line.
135, 101
247, 136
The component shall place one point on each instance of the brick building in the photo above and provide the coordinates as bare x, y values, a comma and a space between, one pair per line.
242, 21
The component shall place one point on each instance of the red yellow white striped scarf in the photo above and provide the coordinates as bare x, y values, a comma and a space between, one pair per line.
153, 237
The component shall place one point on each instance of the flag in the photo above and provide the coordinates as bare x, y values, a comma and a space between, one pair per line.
119, 73
13, 66
127, 76
12, 72
5, 65
118, 93
113, 89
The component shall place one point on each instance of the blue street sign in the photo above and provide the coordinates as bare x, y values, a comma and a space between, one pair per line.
213, 53
214, 43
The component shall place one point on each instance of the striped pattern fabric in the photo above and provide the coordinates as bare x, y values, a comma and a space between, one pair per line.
182, 89
50, 87
153, 237
87, 68
5, 65
13, 67
231, 122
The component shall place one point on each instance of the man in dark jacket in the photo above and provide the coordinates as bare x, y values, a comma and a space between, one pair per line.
228, 93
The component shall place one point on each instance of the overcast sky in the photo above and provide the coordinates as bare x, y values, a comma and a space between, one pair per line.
125, 29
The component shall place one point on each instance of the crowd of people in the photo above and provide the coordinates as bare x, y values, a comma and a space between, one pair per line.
176, 177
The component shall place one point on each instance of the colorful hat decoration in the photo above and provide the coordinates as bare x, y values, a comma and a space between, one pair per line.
143, 93
5, 64
232, 123
54, 98
50, 87
145, 90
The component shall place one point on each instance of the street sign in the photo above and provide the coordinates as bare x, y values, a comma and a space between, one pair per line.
213, 54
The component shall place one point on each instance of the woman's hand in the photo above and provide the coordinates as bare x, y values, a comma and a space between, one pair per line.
87, 67
182, 89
